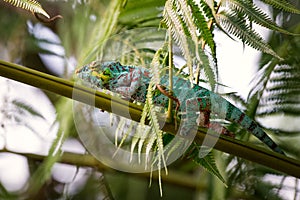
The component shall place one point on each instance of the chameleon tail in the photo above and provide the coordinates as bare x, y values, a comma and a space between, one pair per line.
224, 109
233, 114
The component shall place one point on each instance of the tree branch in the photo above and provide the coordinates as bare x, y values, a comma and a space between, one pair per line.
87, 160
121, 107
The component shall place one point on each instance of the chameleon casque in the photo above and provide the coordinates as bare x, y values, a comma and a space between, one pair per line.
132, 83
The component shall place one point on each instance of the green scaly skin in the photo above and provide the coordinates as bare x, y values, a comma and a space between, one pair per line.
132, 83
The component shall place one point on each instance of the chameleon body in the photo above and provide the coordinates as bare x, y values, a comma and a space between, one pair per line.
132, 83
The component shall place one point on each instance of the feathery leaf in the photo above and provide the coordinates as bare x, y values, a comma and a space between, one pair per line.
206, 161
282, 5
30, 5
256, 15
178, 28
201, 23
282, 92
240, 29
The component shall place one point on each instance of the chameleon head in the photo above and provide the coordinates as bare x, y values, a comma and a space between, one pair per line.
95, 73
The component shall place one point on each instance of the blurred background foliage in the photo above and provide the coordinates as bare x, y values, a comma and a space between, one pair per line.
58, 47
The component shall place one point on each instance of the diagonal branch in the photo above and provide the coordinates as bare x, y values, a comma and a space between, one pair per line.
106, 102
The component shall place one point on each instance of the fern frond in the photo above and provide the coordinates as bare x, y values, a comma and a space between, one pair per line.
128, 131
187, 18
173, 21
30, 5
282, 5
118, 130
201, 23
256, 15
141, 142
155, 126
282, 92
140, 135
208, 68
185, 29
240, 29
206, 159
156, 133
149, 146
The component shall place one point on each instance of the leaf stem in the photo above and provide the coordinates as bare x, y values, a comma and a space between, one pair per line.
170, 105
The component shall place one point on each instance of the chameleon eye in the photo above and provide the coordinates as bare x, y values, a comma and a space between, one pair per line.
106, 72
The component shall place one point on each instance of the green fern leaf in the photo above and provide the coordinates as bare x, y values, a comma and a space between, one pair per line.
187, 18
30, 5
236, 26
209, 72
256, 15
201, 23
207, 161
282, 5
178, 28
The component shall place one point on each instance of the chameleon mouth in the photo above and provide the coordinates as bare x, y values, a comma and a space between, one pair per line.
77, 71
104, 78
